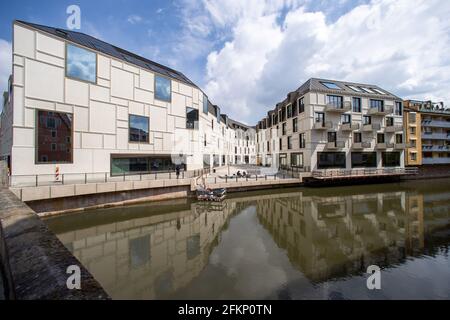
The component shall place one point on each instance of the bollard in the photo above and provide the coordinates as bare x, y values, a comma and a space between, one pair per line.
37, 183
62, 178
106, 177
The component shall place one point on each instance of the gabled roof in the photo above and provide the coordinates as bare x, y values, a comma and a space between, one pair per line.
110, 50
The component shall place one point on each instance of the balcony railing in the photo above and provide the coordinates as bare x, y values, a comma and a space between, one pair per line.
361, 145
351, 173
437, 136
344, 107
371, 127
335, 145
399, 146
394, 128
436, 123
381, 110
322, 125
434, 148
350, 126
436, 160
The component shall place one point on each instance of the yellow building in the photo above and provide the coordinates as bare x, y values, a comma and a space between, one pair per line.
427, 133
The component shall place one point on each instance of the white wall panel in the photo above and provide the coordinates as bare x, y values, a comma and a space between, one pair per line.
44, 81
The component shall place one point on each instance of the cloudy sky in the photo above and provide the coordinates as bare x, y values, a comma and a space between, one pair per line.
248, 54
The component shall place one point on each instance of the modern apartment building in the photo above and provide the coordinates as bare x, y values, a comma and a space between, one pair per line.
86, 106
427, 132
333, 124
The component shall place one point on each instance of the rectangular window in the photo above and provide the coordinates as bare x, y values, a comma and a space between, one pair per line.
356, 104
163, 88
367, 120
380, 138
378, 104
205, 104
389, 121
364, 159
399, 138
336, 101
331, 85
283, 128
391, 159
61, 124
133, 165
301, 105
81, 64
357, 137
289, 143
191, 118
138, 128
302, 141
289, 111
295, 125
331, 136
297, 159
218, 114
320, 118
398, 108
346, 118
327, 160
281, 143
413, 156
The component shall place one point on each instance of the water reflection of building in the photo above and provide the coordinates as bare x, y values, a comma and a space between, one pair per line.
333, 236
147, 256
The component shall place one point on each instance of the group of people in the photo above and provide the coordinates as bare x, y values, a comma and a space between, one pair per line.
242, 175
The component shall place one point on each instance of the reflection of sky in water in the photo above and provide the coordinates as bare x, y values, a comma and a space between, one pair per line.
162, 88
81, 64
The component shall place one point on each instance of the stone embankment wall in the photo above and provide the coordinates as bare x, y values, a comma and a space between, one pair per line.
33, 261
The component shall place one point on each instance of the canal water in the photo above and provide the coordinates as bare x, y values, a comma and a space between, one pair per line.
290, 244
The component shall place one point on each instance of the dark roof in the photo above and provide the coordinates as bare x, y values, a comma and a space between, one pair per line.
111, 50
317, 85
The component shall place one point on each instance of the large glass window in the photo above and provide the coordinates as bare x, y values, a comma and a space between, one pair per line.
289, 143
364, 159
133, 165
81, 64
391, 159
327, 160
346, 118
398, 108
301, 105
139, 129
302, 141
54, 137
283, 128
356, 104
191, 118
336, 101
289, 111
357, 137
297, 159
205, 104
294, 125
377, 104
163, 88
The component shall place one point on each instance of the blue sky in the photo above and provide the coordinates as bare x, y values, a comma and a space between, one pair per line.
248, 54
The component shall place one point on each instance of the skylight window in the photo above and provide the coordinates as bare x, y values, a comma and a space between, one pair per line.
378, 91
367, 90
354, 88
331, 85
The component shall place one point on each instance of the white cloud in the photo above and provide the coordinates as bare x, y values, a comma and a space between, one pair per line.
5, 66
134, 19
401, 45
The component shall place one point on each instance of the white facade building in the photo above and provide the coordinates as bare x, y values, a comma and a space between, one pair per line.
85, 106
327, 124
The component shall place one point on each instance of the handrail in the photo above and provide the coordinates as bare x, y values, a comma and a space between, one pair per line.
98, 177
330, 173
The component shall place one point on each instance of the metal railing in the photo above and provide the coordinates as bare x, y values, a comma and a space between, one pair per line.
336, 173
38, 180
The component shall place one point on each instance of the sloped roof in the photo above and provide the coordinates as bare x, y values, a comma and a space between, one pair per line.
111, 50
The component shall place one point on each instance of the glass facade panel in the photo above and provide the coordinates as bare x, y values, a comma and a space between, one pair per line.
297, 159
391, 159
163, 88
205, 104
356, 104
364, 159
54, 137
148, 164
81, 64
326, 160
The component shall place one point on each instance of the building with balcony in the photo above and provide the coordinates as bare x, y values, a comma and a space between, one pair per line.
427, 132
86, 106
327, 124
